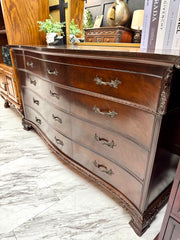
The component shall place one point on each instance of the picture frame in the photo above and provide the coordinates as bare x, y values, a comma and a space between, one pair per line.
98, 21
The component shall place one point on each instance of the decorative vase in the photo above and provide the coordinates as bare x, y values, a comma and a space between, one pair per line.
50, 37
118, 14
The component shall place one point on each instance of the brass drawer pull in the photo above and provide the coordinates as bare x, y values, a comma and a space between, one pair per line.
112, 83
57, 118
38, 120
103, 168
104, 141
30, 64
109, 114
55, 72
35, 101
33, 82
58, 141
53, 94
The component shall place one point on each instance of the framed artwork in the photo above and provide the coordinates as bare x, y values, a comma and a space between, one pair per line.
98, 21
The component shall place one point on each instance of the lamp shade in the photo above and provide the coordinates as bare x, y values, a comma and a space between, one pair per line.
137, 19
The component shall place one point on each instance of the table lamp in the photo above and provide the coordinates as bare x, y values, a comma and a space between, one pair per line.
136, 24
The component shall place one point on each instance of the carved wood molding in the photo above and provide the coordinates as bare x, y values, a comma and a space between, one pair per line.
177, 63
165, 91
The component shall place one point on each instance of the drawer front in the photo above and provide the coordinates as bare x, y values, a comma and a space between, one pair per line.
113, 146
53, 94
172, 231
131, 122
60, 141
35, 65
176, 205
35, 117
33, 100
109, 39
90, 39
50, 70
109, 172
136, 88
35, 83
58, 120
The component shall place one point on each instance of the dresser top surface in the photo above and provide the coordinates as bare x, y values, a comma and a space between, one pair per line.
104, 51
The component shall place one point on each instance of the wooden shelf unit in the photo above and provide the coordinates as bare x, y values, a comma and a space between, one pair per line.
18, 27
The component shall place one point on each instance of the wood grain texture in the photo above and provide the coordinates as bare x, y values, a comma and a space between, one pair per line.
76, 12
3, 42
21, 20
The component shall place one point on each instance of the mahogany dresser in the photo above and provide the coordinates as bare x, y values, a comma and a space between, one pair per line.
170, 229
115, 116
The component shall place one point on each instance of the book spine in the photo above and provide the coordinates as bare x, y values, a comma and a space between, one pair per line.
146, 24
176, 36
162, 25
171, 22
154, 24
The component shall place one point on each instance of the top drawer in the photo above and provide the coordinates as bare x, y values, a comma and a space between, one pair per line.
133, 87
139, 88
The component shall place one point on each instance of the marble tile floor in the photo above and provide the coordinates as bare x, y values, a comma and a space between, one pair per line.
43, 198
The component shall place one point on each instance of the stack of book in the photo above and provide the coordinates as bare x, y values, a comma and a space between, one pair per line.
161, 26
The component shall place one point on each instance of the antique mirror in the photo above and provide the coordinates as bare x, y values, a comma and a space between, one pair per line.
99, 31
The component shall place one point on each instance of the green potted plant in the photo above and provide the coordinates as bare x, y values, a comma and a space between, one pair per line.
87, 20
74, 31
51, 28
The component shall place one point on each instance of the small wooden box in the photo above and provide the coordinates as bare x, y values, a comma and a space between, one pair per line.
109, 34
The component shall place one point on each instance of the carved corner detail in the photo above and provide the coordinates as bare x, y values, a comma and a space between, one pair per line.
177, 63
27, 126
165, 91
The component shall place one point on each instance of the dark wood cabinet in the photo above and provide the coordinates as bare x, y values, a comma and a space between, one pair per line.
113, 115
170, 229
109, 35
8, 86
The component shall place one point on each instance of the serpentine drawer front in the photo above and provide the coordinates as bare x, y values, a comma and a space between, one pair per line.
106, 113
110, 172
130, 86
112, 146
57, 96
128, 120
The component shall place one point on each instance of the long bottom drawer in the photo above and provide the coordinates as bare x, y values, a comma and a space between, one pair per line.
109, 172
